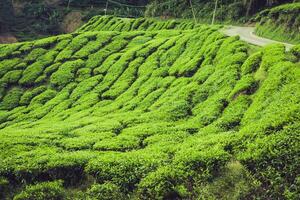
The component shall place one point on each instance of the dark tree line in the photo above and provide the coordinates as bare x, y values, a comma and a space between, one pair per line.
251, 6
6, 15
255, 5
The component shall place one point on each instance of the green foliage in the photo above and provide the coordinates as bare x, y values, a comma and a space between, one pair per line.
252, 63
161, 185
31, 73
12, 77
151, 110
246, 85
105, 191
280, 23
34, 54
49, 70
46, 190
66, 73
7, 65
235, 182
30, 94
123, 170
269, 156
296, 51
109, 23
43, 97
11, 99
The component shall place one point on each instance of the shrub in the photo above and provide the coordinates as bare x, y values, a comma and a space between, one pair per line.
41, 79
110, 60
177, 110
7, 65
30, 94
44, 96
51, 69
26, 46
34, 54
270, 159
124, 170
172, 114
125, 80
164, 183
119, 143
252, 63
3, 87
64, 55
93, 46
66, 73
47, 58
247, 85
280, 23
105, 191
83, 74
85, 86
296, 51
12, 77
232, 115
41, 191
46, 42
31, 73
63, 43
11, 99
234, 182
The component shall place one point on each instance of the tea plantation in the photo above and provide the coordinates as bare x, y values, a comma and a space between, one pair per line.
140, 109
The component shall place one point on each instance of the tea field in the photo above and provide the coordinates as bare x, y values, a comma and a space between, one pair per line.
142, 109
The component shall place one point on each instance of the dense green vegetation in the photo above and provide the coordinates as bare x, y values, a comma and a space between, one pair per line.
156, 114
33, 19
231, 11
110, 23
280, 23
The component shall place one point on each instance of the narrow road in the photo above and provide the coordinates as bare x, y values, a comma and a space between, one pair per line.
247, 34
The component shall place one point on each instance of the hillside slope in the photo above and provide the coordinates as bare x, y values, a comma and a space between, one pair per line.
281, 23
168, 114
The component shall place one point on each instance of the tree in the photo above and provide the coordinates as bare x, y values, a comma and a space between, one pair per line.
6, 15
253, 6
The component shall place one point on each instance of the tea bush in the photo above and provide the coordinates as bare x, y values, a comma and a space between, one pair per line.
31, 73
46, 190
109, 23
105, 191
30, 94
66, 73
11, 99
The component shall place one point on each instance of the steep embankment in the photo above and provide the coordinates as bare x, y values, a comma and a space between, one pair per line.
150, 114
281, 23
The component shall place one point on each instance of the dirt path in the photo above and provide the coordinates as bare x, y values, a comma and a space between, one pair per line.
247, 34
6, 38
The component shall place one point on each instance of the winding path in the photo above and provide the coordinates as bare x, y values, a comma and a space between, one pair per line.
247, 34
